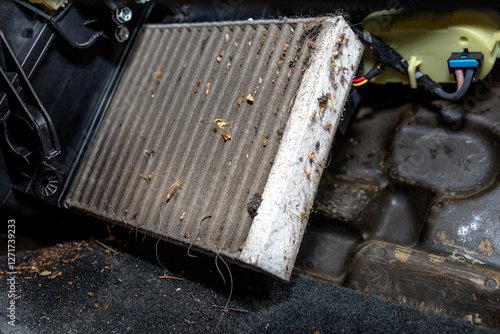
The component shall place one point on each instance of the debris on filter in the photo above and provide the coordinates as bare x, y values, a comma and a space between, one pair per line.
265, 142
311, 155
250, 99
175, 186
264, 34
208, 88
227, 136
242, 95
328, 127
199, 83
152, 93
220, 123
219, 57
253, 204
242, 245
149, 153
186, 235
158, 76
340, 40
303, 215
182, 216
323, 100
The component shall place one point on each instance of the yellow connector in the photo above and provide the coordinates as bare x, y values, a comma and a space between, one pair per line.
51, 4
427, 38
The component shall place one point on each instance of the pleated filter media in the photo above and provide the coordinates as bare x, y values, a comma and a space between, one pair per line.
217, 135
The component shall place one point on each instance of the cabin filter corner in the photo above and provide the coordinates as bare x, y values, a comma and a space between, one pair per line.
218, 133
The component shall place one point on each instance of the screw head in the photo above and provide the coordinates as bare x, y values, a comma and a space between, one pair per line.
122, 34
123, 14
380, 252
490, 284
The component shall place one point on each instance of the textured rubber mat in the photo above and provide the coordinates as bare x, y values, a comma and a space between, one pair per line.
218, 133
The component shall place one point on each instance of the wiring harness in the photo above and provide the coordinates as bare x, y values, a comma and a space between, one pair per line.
457, 64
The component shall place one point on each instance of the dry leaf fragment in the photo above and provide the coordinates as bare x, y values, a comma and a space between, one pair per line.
308, 175
311, 155
229, 164
208, 88
242, 245
250, 99
199, 82
175, 186
303, 215
328, 127
186, 235
265, 142
182, 216
239, 100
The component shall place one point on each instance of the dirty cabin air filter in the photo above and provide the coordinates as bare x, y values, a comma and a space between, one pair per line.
217, 135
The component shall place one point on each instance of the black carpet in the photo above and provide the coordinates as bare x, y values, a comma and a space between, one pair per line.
82, 287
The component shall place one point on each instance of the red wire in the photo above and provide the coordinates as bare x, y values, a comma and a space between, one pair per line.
379, 64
